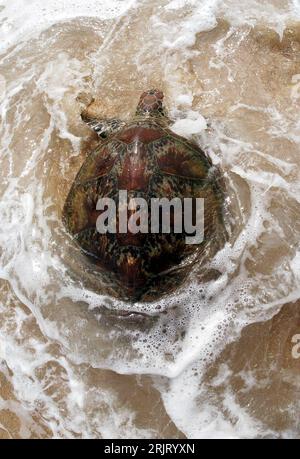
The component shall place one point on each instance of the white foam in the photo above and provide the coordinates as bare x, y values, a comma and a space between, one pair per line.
202, 18
23, 18
188, 393
194, 123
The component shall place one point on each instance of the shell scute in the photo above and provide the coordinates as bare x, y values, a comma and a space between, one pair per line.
177, 158
134, 169
140, 133
99, 163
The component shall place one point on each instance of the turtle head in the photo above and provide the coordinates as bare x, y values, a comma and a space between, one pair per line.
151, 104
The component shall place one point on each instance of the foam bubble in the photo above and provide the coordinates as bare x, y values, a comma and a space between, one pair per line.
194, 123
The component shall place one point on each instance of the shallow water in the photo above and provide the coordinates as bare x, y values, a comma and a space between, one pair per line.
218, 361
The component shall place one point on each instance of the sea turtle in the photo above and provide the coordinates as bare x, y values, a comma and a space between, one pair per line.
147, 160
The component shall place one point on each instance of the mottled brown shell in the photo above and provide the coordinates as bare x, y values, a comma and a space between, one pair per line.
148, 161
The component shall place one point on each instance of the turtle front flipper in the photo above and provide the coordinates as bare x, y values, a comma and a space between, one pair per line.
103, 127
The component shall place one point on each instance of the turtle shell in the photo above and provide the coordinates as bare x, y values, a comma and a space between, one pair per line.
148, 161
